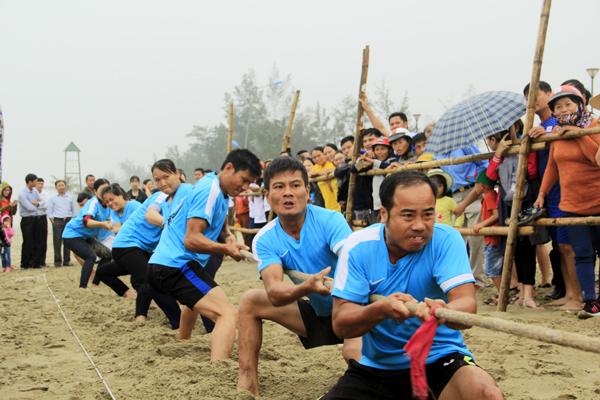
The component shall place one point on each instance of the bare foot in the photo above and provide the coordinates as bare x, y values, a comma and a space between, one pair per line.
531, 304
140, 319
572, 305
559, 302
130, 294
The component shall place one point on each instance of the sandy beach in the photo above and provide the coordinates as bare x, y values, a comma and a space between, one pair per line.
40, 359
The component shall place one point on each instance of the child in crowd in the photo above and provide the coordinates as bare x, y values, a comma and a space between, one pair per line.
503, 169
420, 144
493, 249
8, 235
444, 204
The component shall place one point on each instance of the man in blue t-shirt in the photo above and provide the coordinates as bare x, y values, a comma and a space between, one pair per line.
193, 225
303, 238
406, 258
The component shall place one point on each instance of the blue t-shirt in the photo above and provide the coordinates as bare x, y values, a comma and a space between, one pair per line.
129, 209
466, 173
321, 238
206, 201
137, 232
553, 196
94, 208
364, 268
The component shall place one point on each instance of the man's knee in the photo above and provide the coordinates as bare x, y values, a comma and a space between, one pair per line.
489, 392
251, 301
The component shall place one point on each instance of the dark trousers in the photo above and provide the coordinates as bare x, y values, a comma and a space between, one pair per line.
134, 261
27, 253
82, 249
213, 265
586, 245
525, 260
557, 277
58, 226
40, 240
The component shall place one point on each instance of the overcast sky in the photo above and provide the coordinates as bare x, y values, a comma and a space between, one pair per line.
125, 79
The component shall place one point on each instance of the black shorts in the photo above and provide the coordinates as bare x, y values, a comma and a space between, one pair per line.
187, 285
361, 382
319, 330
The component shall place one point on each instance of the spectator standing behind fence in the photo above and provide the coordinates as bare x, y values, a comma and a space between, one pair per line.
420, 147
444, 204
329, 187
41, 231
575, 164
463, 181
503, 169
135, 192
60, 211
29, 200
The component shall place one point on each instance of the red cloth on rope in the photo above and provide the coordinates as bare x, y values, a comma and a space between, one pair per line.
417, 349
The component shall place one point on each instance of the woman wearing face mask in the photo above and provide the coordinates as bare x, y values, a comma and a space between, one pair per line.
93, 222
574, 163
137, 239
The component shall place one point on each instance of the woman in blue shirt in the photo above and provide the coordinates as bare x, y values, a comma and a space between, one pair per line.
92, 222
138, 236
121, 209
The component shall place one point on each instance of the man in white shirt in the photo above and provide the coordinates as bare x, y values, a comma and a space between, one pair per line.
41, 231
60, 211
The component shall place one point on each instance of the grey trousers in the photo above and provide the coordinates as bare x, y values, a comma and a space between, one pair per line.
473, 216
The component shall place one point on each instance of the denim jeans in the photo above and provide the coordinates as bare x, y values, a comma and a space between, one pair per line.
586, 245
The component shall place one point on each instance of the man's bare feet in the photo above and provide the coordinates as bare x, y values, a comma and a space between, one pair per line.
131, 294
559, 302
572, 305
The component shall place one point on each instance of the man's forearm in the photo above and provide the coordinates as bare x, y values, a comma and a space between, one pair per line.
352, 320
284, 293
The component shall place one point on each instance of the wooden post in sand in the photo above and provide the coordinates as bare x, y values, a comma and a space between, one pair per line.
523, 155
357, 135
230, 133
287, 136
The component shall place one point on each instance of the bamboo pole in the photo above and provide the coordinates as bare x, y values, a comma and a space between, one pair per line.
230, 133
287, 136
362, 88
495, 231
567, 221
540, 333
523, 155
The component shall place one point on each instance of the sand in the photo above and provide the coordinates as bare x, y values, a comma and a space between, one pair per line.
40, 359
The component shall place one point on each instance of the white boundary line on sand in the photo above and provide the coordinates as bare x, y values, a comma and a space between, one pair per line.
110, 393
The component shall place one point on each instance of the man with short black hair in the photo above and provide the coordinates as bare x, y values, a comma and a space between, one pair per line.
302, 155
190, 236
89, 185
60, 211
135, 193
303, 238
29, 201
395, 120
40, 244
406, 258
347, 146
198, 174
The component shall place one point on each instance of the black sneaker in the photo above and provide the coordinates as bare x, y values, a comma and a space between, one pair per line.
590, 309
529, 214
